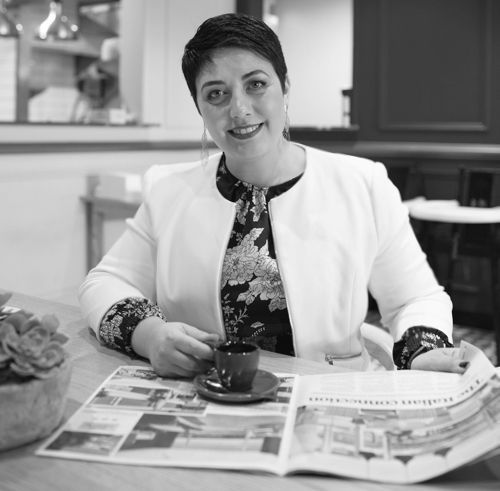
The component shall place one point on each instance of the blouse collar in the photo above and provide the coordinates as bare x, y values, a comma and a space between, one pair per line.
233, 188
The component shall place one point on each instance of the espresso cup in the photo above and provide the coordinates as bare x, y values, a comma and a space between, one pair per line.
236, 364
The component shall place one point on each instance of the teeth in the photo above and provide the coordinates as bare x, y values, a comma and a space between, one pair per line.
245, 131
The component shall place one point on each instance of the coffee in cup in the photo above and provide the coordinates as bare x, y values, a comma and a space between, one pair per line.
236, 363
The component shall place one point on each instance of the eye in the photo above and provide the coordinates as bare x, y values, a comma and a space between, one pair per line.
257, 85
216, 96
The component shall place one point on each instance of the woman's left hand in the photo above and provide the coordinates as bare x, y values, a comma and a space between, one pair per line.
440, 360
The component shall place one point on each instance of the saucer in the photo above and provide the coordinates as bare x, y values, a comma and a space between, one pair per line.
265, 385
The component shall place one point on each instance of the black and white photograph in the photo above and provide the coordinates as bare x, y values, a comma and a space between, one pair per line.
242, 240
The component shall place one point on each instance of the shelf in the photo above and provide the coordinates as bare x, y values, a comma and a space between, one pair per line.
79, 47
330, 134
91, 36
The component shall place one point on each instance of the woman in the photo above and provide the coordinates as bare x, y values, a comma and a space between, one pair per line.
267, 240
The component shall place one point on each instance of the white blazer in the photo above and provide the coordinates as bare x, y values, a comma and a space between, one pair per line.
340, 229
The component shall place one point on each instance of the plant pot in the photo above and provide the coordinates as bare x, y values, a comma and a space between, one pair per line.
32, 410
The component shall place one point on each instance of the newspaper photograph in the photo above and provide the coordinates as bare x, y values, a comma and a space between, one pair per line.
393, 426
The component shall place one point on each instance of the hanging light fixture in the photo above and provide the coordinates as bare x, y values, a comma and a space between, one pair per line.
57, 26
9, 28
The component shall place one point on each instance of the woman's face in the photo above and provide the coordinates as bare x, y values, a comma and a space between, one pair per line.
242, 103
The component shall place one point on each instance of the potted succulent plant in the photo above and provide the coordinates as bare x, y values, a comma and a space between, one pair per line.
34, 376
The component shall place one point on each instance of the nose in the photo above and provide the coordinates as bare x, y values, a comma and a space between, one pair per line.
240, 106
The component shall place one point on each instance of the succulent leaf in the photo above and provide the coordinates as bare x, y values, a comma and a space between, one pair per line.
52, 355
17, 320
51, 322
10, 338
29, 347
6, 329
29, 323
22, 370
59, 337
33, 342
4, 298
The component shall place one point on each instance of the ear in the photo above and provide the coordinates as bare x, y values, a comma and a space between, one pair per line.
286, 92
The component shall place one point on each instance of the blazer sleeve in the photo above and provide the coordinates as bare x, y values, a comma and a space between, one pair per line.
401, 279
127, 270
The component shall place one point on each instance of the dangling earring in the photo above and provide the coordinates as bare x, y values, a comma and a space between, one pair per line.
204, 146
286, 129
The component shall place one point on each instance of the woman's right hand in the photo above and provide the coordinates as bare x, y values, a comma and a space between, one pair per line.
174, 349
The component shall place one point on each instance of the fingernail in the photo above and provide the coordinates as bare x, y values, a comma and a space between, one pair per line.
464, 364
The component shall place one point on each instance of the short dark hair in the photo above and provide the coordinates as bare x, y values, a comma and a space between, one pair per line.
231, 31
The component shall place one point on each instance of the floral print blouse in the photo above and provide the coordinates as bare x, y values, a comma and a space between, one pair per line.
253, 300
252, 295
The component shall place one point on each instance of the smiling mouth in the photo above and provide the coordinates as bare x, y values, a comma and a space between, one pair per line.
245, 132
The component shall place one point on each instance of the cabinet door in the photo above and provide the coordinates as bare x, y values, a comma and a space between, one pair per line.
424, 70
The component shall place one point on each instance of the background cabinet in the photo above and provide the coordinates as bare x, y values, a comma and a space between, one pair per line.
427, 70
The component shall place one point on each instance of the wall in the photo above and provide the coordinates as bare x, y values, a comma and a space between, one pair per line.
42, 239
153, 38
317, 41
132, 26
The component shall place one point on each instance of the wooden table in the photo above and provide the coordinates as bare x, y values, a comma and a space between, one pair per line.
20, 470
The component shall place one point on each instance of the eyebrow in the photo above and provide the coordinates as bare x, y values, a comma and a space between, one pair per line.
221, 82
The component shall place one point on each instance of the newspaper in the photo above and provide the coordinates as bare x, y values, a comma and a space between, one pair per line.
400, 427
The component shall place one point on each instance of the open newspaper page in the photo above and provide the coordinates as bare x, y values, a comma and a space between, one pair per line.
404, 426
138, 418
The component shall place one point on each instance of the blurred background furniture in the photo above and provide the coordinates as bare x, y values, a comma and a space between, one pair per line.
109, 197
347, 97
475, 219
408, 178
